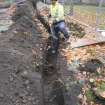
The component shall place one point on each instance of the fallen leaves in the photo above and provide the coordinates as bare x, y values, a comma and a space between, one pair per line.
102, 94
85, 53
99, 88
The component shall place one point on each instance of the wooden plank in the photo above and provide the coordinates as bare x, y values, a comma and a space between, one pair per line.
85, 42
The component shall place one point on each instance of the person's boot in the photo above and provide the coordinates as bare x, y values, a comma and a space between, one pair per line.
67, 43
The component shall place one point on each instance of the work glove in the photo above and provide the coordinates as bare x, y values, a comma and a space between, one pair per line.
55, 20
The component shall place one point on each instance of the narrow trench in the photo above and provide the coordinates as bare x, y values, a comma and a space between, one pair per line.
54, 75
51, 85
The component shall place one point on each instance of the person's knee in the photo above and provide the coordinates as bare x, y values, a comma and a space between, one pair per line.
62, 27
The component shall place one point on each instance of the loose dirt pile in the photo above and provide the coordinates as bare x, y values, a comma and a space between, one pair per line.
20, 56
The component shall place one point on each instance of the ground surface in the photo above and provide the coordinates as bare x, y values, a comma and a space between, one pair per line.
32, 75
18, 78
21, 54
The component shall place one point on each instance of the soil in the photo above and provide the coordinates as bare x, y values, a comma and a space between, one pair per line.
29, 73
20, 84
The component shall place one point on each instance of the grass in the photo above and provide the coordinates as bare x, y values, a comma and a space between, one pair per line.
101, 87
87, 13
90, 95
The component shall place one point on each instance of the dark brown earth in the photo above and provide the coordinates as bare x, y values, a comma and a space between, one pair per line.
20, 84
29, 74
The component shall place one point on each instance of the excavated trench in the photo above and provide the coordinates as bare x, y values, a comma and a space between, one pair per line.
52, 86
56, 77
